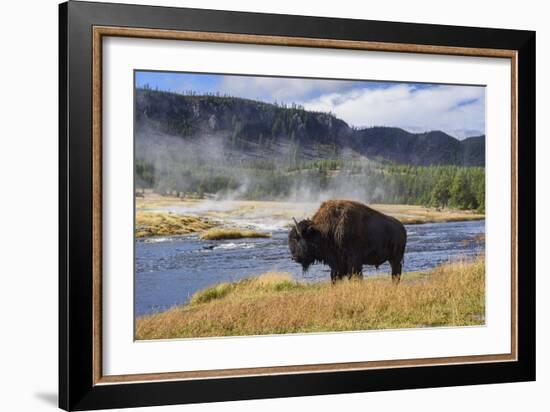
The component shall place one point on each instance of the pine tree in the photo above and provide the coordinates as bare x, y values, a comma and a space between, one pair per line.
440, 193
461, 195
480, 191
276, 129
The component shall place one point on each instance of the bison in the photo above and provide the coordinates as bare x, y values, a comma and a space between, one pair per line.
345, 235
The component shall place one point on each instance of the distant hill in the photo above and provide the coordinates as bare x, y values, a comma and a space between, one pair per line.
253, 129
473, 150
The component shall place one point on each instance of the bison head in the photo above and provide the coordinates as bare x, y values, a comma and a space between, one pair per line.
303, 242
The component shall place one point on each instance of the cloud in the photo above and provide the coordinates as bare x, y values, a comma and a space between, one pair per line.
456, 110
281, 89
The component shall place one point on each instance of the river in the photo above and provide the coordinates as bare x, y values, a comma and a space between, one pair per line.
170, 269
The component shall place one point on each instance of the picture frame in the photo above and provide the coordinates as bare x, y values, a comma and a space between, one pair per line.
83, 27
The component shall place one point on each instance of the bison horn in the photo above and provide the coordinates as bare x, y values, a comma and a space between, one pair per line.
296, 226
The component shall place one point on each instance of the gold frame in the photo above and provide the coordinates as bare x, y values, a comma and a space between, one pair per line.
101, 31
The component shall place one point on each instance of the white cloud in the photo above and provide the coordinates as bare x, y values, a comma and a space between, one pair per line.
281, 89
456, 110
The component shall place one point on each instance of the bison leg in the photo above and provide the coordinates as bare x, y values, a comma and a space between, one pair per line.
336, 275
341, 270
333, 275
336, 272
356, 269
395, 272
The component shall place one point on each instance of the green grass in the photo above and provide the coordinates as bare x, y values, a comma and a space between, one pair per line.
274, 303
266, 283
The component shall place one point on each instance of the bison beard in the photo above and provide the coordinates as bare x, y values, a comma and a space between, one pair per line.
345, 235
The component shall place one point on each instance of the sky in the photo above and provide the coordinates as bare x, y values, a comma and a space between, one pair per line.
455, 109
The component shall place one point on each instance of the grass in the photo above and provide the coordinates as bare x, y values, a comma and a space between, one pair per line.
274, 303
222, 233
414, 214
168, 224
268, 282
407, 214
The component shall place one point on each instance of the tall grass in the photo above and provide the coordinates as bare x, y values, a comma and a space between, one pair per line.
274, 303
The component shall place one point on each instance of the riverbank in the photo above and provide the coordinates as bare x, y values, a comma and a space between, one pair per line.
274, 303
170, 224
199, 215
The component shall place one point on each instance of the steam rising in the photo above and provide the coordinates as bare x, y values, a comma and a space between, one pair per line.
207, 165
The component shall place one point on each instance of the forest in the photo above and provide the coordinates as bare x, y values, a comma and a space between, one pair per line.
234, 148
373, 182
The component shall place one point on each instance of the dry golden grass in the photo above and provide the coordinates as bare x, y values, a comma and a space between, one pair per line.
407, 214
148, 200
168, 224
222, 233
414, 214
274, 303
152, 221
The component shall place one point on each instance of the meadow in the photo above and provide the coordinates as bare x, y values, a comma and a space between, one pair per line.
452, 294
213, 219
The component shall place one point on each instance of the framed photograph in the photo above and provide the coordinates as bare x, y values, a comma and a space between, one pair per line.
256, 206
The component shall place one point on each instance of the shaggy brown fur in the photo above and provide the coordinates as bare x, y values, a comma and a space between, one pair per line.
345, 235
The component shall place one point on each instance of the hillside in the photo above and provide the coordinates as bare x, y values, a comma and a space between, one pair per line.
247, 129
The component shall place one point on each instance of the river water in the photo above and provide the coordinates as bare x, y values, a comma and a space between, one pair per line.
170, 269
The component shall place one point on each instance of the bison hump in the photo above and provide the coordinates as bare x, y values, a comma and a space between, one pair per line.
342, 218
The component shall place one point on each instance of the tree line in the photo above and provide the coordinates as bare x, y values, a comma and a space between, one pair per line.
434, 186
